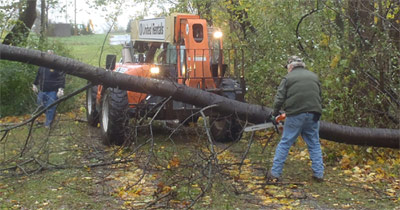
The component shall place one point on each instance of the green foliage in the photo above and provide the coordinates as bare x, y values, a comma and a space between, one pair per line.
354, 48
15, 81
356, 59
16, 96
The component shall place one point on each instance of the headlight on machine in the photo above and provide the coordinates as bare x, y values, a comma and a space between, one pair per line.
155, 70
217, 34
183, 70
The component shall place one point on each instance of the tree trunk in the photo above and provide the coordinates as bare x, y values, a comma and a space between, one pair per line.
19, 33
42, 20
250, 112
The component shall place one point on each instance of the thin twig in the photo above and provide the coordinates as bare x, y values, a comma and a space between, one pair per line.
266, 143
158, 199
22, 169
27, 138
246, 152
4, 136
297, 29
214, 157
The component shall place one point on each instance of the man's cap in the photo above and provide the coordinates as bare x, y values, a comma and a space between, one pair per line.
293, 58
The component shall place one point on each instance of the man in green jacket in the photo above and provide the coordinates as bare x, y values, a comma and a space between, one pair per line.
299, 94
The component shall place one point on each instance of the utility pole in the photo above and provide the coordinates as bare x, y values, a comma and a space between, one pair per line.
76, 29
66, 11
42, 20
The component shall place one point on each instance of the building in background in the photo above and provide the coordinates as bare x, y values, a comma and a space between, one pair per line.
60, 29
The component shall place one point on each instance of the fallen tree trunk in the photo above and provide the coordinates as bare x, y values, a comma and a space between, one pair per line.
253, 113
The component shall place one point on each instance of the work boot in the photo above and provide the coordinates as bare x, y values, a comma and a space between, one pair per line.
318, 179
271, 178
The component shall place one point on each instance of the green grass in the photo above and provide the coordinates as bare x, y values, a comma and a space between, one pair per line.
55, 189
88, 48
49, 190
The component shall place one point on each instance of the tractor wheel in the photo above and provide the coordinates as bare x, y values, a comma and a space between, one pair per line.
92, 114
192, 119
226, 128
114, 117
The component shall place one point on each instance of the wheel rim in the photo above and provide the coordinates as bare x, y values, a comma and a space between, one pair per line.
104, 114
89, 101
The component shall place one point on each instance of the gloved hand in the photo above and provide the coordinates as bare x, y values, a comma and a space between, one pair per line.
60, 92
275, 113
272, 118
34, 88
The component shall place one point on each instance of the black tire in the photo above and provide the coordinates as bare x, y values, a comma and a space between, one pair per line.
186, 122
226, 128
114, 117
92, 114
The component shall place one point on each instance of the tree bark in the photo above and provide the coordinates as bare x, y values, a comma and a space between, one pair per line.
43, 20
253, 113
19, 33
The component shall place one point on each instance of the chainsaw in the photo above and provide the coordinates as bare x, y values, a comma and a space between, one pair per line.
277, 123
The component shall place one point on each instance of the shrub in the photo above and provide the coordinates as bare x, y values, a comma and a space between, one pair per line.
16, 96
15, 84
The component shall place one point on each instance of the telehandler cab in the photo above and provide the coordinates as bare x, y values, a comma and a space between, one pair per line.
179, 48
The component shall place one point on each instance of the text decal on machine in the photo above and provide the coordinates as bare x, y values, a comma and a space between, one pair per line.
152, 29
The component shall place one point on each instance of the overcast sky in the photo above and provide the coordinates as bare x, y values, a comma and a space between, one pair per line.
84, 13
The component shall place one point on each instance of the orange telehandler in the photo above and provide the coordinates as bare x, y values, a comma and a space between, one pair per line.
179, 48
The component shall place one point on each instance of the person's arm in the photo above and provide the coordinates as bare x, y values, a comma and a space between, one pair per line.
61, 84
36, 82
62, 79
280, 97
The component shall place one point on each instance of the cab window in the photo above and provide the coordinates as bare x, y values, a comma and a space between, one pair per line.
171, 54
198, 33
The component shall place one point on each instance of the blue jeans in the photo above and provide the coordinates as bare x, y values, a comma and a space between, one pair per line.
309, 129
45, 99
